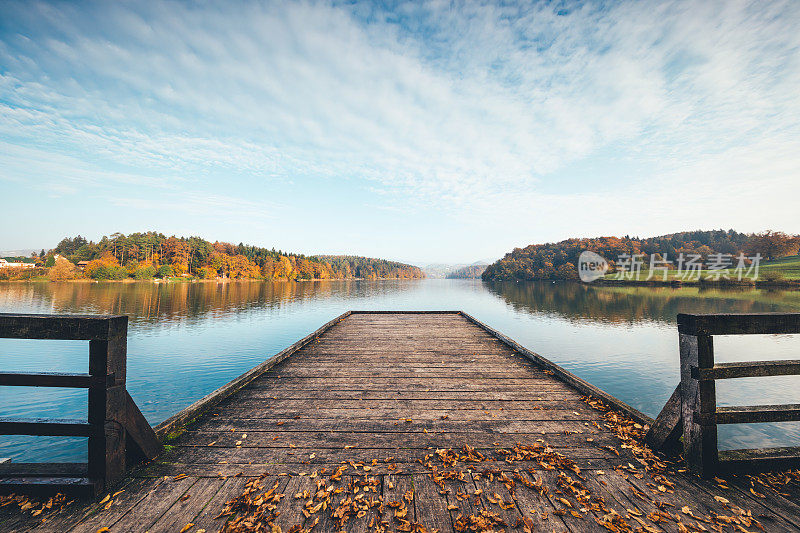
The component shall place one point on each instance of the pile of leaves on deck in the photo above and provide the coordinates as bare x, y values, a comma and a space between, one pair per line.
37, 507
340, 498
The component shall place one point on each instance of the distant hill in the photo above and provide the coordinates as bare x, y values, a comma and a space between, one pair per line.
443, 270
366, 267
559, 260
440, 270
468, 272
26, 252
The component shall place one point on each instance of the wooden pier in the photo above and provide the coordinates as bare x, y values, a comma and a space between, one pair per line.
409, 422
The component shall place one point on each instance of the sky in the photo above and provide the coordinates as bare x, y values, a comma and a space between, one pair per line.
417, 131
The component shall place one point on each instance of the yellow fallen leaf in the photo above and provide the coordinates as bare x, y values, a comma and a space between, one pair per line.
187, 527
104, 500
720, 499
103, 530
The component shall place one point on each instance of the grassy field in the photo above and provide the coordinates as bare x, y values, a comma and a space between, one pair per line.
786, 268
789, 267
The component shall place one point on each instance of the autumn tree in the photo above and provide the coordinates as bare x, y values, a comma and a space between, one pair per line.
772, 244
62, 270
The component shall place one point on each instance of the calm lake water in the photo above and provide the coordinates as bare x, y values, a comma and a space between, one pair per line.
187, 339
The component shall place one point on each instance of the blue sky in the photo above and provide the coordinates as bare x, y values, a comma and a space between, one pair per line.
418, 131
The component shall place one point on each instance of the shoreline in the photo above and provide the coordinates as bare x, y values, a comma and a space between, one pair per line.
675, 284
728, 284
671, 284
195, 280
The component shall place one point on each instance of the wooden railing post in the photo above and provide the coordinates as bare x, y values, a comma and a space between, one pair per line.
108, 402
698, 404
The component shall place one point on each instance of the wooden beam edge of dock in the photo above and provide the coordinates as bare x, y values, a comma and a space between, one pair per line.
564, 375
167, 429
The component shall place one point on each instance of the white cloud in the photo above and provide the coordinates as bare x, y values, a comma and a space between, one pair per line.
448, 106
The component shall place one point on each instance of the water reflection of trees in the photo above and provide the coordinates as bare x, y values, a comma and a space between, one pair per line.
628, 305
170, 302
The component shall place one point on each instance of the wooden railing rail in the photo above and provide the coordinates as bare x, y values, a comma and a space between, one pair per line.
118, 434
692, 411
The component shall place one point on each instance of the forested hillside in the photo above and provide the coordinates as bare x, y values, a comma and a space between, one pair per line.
559, 260
152, 254
352, 266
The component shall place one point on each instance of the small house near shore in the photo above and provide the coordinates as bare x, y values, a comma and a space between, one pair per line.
6, 264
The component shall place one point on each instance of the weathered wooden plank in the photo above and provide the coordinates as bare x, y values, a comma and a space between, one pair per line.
554, 412
757, 413
699, 438
543, 401
539, 393
584, 521
486, 487
378, 426
250, 469
395, 487
613, 493
762, 459
208, 518
10, 469
50, 379
62, 427
139, 431
749, 369
699, 495
61, 327
48, 485
666, 431
184, 510
532, 503
314, 456
463, 374
108, 405
154, 504
775, 514
431, 505
739, 323
398, 439
409, 384
290, 507
98, 516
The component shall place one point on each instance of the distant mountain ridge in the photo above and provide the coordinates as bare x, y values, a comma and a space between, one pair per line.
25, 252
473, 271
443, 270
